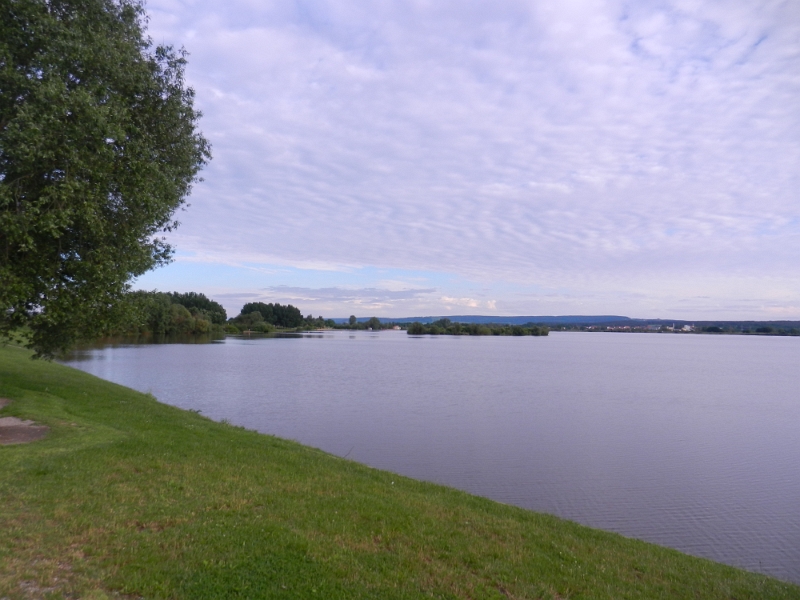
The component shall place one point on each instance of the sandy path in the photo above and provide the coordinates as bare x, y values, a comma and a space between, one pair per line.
19, 431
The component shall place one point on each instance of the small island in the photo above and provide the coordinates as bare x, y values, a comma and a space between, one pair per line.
447, 327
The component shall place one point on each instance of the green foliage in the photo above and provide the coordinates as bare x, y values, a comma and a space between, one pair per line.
213, 311
263, 327
162, 314
447, 327
274, 314
129, 498
98, 148
265, 318
416, 329
373, 323
318, 323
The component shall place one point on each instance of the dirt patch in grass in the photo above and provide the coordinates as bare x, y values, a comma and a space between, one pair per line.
19, 431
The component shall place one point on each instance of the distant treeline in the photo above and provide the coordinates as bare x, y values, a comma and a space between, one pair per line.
169, 314
373, 323
192, 313
751, 328
683, 327
175, 314
447, 327
265, 318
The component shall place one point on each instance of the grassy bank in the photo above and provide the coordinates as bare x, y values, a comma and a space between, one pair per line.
129, 497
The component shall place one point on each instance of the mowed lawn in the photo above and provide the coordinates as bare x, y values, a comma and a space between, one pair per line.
130, 498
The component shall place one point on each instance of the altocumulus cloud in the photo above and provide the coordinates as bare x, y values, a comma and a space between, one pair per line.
560, 156
369, 295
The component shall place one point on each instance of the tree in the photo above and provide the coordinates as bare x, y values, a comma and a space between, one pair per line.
274, 314
98, 149
214, 311
160, 314
416, 328
352, 320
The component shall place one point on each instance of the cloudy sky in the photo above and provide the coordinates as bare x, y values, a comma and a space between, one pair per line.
506, 157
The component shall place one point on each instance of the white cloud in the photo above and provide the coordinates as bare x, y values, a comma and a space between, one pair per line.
600, 147
354, 295
451, 303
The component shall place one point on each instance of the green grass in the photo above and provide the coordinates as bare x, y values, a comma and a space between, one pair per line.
131, 498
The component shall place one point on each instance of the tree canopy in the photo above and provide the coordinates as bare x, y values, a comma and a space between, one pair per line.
448, 327
98, 148
169, 314
193, 300
275, 314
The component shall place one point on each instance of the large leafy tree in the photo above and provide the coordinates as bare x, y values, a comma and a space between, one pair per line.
275, 314
192, 300
98, 148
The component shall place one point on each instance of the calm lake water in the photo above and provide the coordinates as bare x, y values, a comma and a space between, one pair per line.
689, 441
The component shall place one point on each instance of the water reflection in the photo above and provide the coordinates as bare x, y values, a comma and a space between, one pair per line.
83, 351
136, 340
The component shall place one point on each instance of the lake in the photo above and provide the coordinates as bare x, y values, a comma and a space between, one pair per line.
689, 441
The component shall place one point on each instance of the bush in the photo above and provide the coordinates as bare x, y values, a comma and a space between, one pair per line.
416, 329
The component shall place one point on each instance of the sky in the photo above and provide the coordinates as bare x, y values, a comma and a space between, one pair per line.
446, 157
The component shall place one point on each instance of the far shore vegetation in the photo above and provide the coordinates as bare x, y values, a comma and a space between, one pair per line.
447, 327
173, 316
130, 498
780, 328
169, 315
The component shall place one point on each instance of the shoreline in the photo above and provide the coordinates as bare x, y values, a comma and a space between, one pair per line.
147, 499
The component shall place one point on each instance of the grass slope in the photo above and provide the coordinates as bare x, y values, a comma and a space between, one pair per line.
129, 497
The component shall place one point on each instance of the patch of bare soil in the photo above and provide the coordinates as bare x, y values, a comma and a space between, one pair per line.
19, 431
